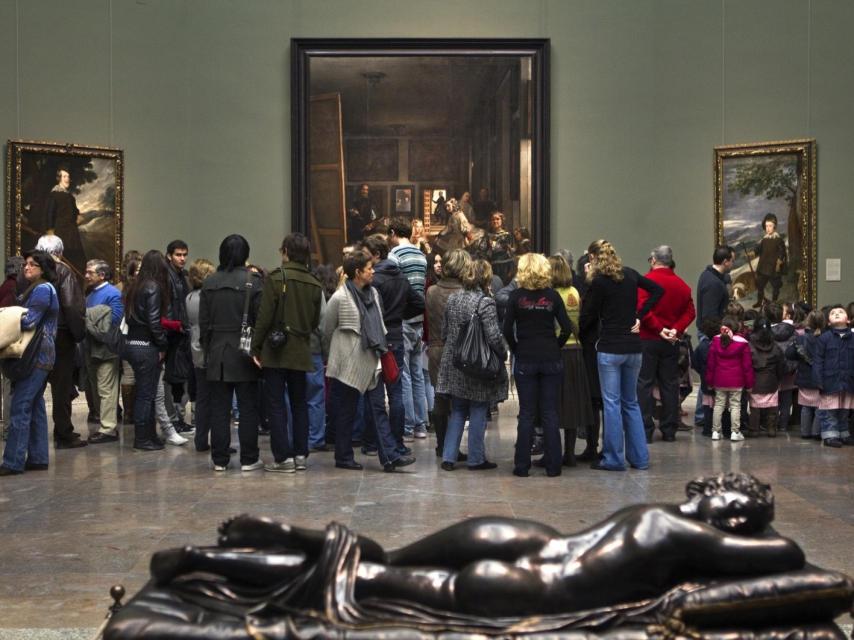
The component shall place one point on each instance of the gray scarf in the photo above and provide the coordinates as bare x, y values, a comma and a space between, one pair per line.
370, 318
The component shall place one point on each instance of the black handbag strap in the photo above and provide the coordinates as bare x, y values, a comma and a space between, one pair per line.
49, 303
245, 321
280, 302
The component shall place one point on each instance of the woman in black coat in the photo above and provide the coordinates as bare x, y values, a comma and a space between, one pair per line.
229, 301
145, 304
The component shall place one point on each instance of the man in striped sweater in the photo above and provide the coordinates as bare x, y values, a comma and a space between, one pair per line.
413, 264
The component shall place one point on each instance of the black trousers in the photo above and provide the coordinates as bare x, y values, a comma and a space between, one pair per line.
62, 390
220, 420
660, 366
202, 393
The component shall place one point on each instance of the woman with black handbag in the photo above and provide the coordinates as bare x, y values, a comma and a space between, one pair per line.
473, 383
529, 327
27, 441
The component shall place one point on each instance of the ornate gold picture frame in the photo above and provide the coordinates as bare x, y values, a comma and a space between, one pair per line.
71, 190
765, 209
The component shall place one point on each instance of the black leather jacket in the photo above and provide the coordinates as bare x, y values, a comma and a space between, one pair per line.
72, 304
144, 319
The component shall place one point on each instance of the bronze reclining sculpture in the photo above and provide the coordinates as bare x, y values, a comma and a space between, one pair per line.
710, 567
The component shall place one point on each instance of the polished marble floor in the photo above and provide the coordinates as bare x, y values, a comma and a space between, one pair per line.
94, 518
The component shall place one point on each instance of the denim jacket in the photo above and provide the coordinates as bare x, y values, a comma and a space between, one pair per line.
43, 303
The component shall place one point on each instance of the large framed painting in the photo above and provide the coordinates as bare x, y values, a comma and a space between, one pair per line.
765, 209
410, 116
69, 190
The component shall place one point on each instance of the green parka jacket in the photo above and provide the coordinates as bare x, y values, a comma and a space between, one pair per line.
290, 301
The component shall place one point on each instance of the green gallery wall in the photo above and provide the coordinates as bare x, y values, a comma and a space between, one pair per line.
197, 94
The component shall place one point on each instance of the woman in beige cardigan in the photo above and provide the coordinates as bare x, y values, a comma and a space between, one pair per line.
354, 331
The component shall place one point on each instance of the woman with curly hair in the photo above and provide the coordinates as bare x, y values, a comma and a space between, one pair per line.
529, 328
611, 303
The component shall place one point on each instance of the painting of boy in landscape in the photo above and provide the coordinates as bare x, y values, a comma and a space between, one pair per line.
765, 211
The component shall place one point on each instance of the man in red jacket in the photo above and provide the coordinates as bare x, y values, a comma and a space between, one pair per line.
660, 332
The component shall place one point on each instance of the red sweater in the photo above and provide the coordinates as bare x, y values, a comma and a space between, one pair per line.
675, 310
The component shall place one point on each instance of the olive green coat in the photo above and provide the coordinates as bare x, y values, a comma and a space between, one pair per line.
299, 317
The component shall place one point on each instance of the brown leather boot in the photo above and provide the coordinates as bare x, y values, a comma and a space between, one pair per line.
753, 424
771, 420
128, 398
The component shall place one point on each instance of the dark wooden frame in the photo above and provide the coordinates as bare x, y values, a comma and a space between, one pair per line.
303, 49
805, 151
14, 162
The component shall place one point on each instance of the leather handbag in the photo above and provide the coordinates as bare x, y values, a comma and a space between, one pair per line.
391, 372
472, 353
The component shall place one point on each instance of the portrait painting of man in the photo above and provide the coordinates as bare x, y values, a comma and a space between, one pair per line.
68, 191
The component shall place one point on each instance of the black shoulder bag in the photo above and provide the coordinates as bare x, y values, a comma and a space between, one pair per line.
16, 369
472, 353
278, 337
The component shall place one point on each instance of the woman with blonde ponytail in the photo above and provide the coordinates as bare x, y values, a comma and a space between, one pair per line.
611, 304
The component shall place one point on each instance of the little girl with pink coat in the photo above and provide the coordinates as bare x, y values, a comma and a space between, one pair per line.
729, 370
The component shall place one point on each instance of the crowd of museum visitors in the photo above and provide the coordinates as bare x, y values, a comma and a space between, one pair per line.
410, 338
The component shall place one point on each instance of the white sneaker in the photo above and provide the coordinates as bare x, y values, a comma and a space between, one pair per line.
172, 436
220, 467
299, 463
255, 466
716, 435
736, 436
285, 466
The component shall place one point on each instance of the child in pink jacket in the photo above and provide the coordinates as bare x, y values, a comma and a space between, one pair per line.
729, 370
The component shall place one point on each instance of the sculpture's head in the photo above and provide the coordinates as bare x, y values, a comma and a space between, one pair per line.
733, 502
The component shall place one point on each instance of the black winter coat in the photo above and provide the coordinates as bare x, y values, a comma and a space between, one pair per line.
833, 361
769, 365
72, 304
400, 300
784, 336
220, 317
802, 351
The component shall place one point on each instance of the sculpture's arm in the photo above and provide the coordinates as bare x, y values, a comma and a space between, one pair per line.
725, 553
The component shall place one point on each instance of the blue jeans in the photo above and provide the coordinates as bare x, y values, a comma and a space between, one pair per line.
477, 412
412, 377
27, 437
834, 423
624, 437
316, 400
284, 442
378, 426
810, 423
145, 362
396, 411
538, 386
